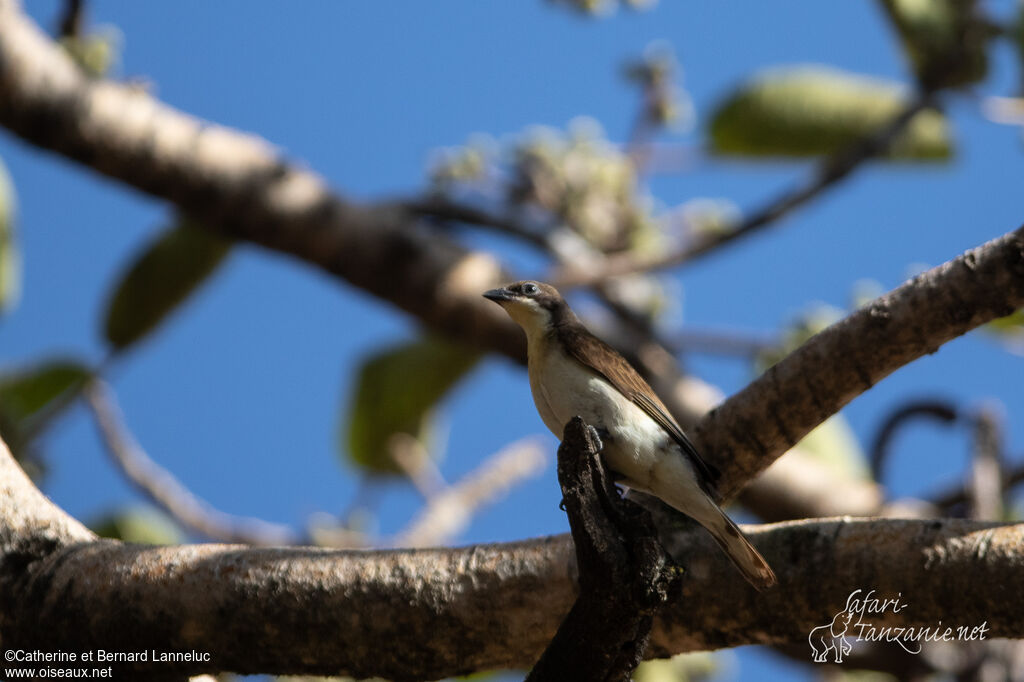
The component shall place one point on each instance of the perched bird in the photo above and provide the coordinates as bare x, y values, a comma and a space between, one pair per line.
573, 373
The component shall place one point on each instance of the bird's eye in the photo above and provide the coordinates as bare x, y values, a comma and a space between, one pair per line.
530, 289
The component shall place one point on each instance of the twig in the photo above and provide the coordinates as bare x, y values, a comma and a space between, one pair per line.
443, 208
72, 19
986, 482
830, 172
935, 410
449, 511
625, 575
448, 209
166, 491
720, 342
1012, 477
412, 458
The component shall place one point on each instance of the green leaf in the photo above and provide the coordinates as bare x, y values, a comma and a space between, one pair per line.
141, 525
1011, 324
815, 319
1015, 31
680, 668
395, 392
945, 40
10, 260
161, 278
26, 394
30, 399
814, 110
834, 444
1009, 331
96, 52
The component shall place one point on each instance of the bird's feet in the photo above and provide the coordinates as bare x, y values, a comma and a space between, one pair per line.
598, 434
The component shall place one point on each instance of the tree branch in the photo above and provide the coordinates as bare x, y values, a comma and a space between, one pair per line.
626, 576
160, 486
71, 19
938, 411
241, 186
830, 171
449, 511
444, 612
772, 413
959, 495
443, 208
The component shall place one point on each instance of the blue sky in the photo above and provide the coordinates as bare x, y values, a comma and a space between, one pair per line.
241, 393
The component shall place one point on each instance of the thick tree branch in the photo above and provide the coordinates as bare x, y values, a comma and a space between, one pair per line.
443, 612
240, 185
772, 413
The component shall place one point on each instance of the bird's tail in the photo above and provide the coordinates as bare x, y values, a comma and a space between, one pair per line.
736, 546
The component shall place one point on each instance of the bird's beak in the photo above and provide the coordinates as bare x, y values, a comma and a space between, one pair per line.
499, 295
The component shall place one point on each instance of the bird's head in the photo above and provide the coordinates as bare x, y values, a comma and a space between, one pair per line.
534, 305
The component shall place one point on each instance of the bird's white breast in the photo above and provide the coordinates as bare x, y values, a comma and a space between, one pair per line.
563, 388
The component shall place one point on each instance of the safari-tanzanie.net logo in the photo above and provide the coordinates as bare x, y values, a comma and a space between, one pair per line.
856, 623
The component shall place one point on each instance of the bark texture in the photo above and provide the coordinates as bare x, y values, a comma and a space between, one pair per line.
625, 575
428, 614
780, 407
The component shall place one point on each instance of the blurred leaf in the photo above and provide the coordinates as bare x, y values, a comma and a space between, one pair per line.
163, 276
96, 52
813, 110
10, 261
679, 668
142, 525
1011, 324
834, 444
945, 40
317, 678
833, 441
815, 319
30, 399
1015, 31
395, 392
598, 7
865, 291
1009, 331
25, 394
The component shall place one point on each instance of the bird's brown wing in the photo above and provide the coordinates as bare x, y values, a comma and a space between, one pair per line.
595, 354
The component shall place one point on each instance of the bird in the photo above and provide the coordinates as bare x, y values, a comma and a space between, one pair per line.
574, 373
